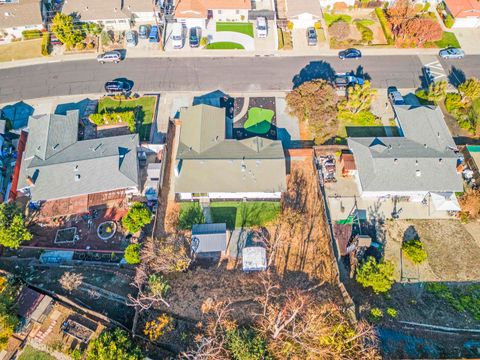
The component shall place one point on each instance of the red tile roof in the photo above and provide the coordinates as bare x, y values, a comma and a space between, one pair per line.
199, 8
463, 8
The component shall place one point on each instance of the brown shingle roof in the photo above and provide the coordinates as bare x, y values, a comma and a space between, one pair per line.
25, 12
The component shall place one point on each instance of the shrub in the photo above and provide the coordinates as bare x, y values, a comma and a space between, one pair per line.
246, 344
80, 46
378, 276
392, 312
105, 38
90, 46
413, 249
367, 33
387, 30
31, 34
45, 43
318, 25
290, 25
132, 254
449, 21
137, 217
453, 103
375, 315
204, 41
127, 117
426, 7
158, 327
330, 19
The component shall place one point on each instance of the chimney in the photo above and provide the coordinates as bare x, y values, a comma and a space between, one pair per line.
30, 181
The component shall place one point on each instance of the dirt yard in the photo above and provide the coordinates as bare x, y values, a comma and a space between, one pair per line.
453, 253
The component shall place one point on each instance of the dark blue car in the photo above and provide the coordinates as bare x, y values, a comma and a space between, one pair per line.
154, 36
350, 54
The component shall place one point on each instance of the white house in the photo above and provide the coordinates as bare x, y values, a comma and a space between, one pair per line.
19, 15
196, 13
114, 15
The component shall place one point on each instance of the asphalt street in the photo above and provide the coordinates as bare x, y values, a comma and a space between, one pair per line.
234, 74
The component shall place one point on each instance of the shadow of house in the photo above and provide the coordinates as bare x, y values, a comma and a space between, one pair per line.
315, 70
410, 234
17, 114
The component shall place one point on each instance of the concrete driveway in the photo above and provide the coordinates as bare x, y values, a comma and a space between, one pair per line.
469, 40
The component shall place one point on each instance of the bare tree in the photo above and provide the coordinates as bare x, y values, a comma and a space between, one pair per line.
169, 254
71, 281
151, 291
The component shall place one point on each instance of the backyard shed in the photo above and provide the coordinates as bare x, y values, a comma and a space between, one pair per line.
209, 240
347, 163
254, 258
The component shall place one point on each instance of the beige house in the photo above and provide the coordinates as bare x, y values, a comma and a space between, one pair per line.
20, 15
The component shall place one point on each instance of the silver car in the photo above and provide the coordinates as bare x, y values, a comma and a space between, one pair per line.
131, 38
452, 53
110, 56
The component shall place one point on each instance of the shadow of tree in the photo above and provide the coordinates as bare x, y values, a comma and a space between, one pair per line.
314, 70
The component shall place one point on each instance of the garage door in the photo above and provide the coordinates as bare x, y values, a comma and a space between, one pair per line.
189, 23
302, 23
469, 22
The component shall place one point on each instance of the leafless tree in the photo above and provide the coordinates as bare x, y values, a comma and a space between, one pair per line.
71, 281
149, 295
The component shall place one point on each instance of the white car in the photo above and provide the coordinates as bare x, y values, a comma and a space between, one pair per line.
177, 36
131, 38
262, 29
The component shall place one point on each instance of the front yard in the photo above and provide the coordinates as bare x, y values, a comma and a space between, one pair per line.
362, 125
242, 28
222, 45
21, 50
143, 107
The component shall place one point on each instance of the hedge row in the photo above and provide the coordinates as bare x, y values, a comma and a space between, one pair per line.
127, 117
45, 43
31, 34
385, 25
367, 33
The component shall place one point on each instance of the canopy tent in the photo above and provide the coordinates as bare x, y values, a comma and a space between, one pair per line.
445, 201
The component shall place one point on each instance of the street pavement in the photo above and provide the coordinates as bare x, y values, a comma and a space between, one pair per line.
230, 74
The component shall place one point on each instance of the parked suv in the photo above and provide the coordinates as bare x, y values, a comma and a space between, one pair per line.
110, 56
344, 80
194, 37
177, 35
143, 31
131, 38
262, 30
311, 36
394, 96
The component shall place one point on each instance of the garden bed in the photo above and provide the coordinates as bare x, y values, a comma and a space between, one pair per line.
144, 109
67, 235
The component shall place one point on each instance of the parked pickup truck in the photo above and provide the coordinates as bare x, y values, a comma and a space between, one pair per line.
344, 80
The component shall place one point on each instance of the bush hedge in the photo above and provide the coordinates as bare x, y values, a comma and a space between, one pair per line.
385, 25
367, 33
414, 250
449, 21
31, 34
45, 43
127, 117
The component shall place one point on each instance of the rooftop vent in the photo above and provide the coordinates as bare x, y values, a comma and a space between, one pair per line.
77, 177
418, 173
244, 167
97, 147
425, 146
55, 147
440, 160
76, 168
395, 161
416, 162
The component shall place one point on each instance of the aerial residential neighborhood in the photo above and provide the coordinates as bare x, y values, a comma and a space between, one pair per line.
239, 179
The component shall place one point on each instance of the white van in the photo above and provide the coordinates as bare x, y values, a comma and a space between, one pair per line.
177, 35
262, 30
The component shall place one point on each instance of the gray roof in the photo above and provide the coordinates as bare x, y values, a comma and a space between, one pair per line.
61, 167
298, 7
92, 10
209, 237
422, 160
21, 13
207, 162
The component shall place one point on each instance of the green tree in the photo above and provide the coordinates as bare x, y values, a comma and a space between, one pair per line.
12, 226
414, 250
247, 344
359, 98
437, 91
64, 28
132, 254
470, 89
190, 216
8, 318
378, 276
113, 345
137, 217
315, 103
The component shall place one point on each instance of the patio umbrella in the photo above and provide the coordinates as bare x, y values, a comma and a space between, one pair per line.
445, 201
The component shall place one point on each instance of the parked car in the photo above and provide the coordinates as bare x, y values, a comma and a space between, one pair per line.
394, 96
117, 86
131, 38
194, 37
350, 54
177, 35
54, 40
344, 80
143, 31
261, 25
110, 56
452, 53
311, 36
153, 37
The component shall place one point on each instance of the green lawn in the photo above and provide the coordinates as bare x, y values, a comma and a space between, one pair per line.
224, 46
360, 126
145, 116
331, 18
259, 120
238, 214
448, 39
33, 354
240, 27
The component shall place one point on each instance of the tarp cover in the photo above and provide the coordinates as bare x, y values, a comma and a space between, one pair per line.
445, 201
